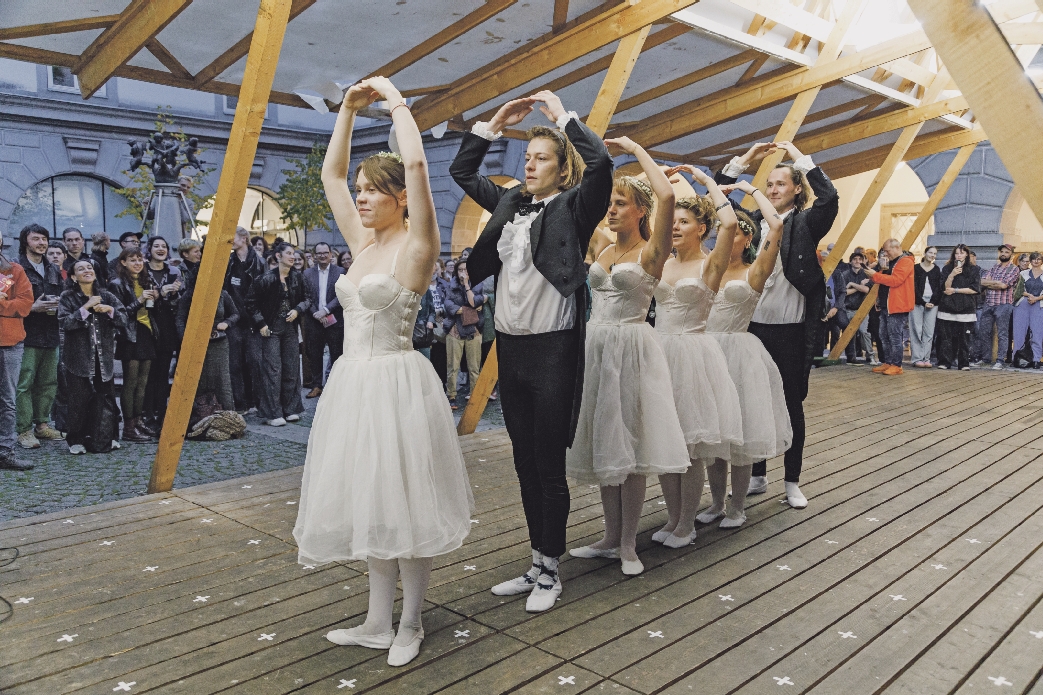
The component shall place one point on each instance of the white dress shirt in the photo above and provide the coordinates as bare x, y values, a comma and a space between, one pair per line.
780, 301
526, 302
324, 276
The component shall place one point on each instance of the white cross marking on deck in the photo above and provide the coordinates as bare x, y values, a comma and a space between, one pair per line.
972, 541
266, 637
291, 502
482, 460
247, 487
832, 542
253, 542
897, 597
107, 543
68, 521
940, 567
783, 568
592, 486
125, 687
346, 683
207, 521
462, 633
725, 598
474, 521
165, 502
470, 567
872, 518
848, 635
566, 680
662, 502
1037, 635
200, 599
656, 634
782, 681
25, 600
151, 568
309, 567
66, 638
999, 680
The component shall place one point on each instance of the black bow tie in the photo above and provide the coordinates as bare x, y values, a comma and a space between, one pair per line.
529, 208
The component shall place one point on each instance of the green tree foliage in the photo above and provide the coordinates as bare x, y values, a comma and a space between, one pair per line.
303, 200
141, 183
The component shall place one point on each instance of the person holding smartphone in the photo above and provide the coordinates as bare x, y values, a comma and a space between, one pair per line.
961, 284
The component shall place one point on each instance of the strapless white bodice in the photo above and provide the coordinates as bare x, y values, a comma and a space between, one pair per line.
378, 316
733, 308
683, 307
621, 296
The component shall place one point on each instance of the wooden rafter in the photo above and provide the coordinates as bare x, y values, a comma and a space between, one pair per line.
137, 25
490, 9
923, 146
167, 58
272, 17
561, 15
64, 27
789, 16
240, 49
544, 55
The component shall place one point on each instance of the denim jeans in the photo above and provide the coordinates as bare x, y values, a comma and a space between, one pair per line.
10, 367
894, 338
998, 315
921, 332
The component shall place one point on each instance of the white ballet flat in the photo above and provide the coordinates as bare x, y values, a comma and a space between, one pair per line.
400, 656
733, 523
794, 497
346, 638
676, 542
708, 517
632, 567
660, 536
590, 552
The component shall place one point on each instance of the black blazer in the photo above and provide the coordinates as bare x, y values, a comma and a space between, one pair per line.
921, 277
311, 291
559, 235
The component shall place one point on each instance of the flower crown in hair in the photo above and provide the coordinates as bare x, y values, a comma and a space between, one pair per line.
390, 155
747, 228
639, 184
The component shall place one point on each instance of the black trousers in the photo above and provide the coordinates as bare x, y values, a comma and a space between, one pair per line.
157, 391
316, 339
79, 391
955, 340
281, 375
537, 377
787, 347
244, 362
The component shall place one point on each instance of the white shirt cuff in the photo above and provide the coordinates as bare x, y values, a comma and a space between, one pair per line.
481, 129
804, 164
565, 118
734, 169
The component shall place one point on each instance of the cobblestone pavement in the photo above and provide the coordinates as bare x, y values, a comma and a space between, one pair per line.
62, 481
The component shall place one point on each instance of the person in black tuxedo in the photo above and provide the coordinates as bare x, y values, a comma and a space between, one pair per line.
789, 314
535, 244
324, 321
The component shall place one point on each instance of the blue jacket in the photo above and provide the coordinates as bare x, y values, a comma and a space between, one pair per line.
456, 297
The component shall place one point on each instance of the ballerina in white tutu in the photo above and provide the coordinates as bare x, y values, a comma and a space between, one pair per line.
706, 400
384, 480
766, 430
628, 426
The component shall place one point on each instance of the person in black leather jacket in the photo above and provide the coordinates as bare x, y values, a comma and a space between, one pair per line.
275, 304
216, 377
167, 279
244, 342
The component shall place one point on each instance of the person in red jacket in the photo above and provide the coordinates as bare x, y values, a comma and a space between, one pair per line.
900, 301
16, 300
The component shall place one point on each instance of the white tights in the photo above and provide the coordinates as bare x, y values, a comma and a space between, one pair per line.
622, 505
383, 579
717, 474
683, 492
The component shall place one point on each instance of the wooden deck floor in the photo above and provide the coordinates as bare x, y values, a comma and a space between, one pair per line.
917, 568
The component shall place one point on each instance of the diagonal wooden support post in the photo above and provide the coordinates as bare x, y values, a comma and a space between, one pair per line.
910, 238
272, 16
612, 86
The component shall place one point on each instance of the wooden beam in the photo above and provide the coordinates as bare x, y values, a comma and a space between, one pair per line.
483, 388
734, 102
137, 25
994, 83
545, 55
615, 81
67, 26
895, 157
910, 238
561, 15
924, 146
490, 9
167, 58
269, 30
789, 16
240, 49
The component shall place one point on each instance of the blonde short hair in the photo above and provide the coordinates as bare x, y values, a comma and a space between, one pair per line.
569, 162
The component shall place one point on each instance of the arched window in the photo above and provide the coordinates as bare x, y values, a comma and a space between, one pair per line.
261, 214
74, 200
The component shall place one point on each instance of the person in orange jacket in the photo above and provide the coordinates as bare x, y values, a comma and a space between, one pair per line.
16, 300
900, 301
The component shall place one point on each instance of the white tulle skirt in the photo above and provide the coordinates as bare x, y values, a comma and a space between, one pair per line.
627, 423
766, 430
384, 475
704, 394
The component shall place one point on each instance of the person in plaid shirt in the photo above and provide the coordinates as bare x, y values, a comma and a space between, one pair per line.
998, 282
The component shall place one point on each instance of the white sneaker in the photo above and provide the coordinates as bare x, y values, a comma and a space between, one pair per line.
794, 497
277, 422
758, 485
348, 638
115, 444
28, 440
519, 585
544, 595
77, 449
293, 418
998, 365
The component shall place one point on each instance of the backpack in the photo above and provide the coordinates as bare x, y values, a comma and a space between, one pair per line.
1023, 357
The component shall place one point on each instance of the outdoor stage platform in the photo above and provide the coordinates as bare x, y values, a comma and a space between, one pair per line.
915, 569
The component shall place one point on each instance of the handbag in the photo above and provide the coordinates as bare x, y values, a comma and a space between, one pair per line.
469, 316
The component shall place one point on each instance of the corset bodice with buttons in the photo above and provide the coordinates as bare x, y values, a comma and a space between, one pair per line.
378, 316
